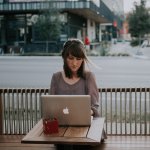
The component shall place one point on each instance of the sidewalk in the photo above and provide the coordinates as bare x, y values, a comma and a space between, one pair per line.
124, 47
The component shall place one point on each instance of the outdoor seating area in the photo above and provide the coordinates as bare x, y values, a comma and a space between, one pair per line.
126, 113
13, 142
91, 55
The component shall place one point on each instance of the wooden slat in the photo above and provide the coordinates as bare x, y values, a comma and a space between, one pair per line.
18, 144
1, 114
65, 140
125, 143
111, 143
13, 142
61, 133
27, 147
76, 132
128, 139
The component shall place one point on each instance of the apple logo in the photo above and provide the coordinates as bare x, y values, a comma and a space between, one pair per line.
66, 111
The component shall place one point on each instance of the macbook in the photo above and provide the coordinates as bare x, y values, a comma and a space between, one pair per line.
70, 110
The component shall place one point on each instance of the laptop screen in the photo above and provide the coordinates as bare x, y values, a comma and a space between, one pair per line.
70, 110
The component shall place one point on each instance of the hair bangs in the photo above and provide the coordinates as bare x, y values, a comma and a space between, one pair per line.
76, 51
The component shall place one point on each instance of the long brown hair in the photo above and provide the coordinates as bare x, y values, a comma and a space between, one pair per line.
76, 48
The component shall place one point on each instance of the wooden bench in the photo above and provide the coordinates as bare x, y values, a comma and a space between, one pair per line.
13, 142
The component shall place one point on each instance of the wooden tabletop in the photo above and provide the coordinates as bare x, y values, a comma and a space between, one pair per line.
67, 135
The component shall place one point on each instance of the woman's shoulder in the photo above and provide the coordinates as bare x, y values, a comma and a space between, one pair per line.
57, 74
88, 74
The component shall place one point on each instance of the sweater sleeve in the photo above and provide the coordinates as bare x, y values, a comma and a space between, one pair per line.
92, 90
53, 85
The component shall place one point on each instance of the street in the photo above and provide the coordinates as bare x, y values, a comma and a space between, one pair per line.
36, 72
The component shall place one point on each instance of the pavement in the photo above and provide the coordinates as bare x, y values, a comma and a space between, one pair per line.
125, 47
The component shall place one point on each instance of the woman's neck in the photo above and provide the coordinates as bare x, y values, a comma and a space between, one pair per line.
74, 75
72, 80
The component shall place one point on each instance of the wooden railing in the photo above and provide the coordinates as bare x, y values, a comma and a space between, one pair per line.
126, 110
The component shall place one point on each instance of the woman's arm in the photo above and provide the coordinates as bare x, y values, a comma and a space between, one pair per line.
92, 90
53, 85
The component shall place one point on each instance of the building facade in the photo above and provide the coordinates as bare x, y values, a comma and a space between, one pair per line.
79, 19
115, 6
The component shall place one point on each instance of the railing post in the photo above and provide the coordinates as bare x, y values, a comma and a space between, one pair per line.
1, 115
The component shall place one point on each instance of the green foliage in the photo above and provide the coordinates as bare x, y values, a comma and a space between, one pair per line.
49, 25
135, 42
139, 21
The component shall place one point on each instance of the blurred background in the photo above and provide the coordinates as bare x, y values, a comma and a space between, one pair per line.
40, 27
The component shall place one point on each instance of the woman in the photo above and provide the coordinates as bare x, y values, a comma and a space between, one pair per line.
75, 79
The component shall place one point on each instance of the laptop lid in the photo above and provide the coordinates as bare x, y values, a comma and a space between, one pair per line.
70, 110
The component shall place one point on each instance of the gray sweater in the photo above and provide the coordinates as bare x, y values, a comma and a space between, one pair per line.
85, 86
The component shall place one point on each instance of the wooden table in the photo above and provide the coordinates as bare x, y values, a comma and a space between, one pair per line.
67, 135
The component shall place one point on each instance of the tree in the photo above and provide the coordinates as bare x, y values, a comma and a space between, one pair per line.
139, 21
49, 25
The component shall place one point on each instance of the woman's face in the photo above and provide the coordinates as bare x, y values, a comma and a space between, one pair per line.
74, 63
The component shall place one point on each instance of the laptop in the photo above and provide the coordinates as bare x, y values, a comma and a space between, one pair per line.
70, 110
